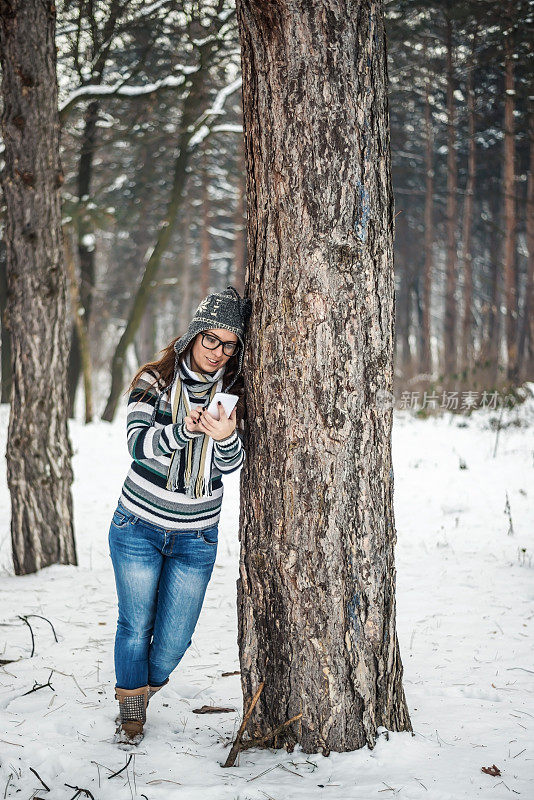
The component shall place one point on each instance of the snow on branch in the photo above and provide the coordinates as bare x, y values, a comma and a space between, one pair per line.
120, 89
229, 127
202, 125
139, 15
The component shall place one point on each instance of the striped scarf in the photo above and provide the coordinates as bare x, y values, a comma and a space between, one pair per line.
190, 468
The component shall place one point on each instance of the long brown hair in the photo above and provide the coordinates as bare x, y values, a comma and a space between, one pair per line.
164, 367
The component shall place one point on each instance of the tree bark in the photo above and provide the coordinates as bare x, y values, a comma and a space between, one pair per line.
404, 297
6, 336
239, 223
78, 315
527, 328
426, 356
38, 450
449, 333
205, 238
509, 245
466, 350
316, 587
490, 346
86, 252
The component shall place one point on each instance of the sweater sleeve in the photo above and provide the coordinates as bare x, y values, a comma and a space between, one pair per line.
229, 454
146, 440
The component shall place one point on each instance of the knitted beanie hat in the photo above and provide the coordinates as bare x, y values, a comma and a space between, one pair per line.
224, 309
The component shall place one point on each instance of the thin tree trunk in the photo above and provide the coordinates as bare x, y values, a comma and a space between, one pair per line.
467, 260
316, 587
510, 286
39, 453
239, 223
145, 339
185, 277
488, 357
406, 277
86, 251
449, 332
404, 272
426, 356
205, 242
527, 328
78, 315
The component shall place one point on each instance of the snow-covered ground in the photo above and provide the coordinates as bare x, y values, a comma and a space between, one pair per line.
465, 613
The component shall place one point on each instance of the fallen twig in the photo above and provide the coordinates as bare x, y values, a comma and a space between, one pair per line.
239, 744
70, 675
7, 784
39, 778
121, 769
36, 686
232, 755
80, 791
46, 620
269, 735
212, 710
25, 620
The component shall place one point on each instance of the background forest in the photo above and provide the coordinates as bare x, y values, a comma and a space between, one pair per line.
153, 216
154, 198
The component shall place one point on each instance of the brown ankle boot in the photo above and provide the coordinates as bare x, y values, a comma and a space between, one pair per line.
132, 712
153, 689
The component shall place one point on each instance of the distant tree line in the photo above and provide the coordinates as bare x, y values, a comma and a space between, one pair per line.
153, 198
462, 149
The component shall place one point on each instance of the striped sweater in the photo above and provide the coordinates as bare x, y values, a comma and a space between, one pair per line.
151, 446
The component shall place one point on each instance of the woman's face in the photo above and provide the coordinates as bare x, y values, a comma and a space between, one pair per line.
203, 359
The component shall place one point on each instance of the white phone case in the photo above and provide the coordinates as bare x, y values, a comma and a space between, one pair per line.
229, 402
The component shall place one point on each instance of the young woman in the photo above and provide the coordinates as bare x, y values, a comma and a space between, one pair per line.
163, 535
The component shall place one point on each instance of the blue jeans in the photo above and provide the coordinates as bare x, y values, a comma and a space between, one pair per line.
161, 577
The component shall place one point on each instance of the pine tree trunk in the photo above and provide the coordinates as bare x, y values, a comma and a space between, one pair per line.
78, 315
405, 275
467, 317
185, 310
205, 238
449, 333
510, 288
239, 222
38, 450
86, 252
527, 335
426, 357
316, 587
488, 356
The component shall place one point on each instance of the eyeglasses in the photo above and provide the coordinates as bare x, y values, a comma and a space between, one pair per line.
212, 342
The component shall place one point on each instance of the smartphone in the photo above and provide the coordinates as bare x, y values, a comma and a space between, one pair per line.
229, 402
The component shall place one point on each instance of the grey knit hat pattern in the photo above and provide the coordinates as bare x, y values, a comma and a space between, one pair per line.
224, 309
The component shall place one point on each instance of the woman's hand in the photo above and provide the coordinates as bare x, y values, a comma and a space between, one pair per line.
201, 422
191, 422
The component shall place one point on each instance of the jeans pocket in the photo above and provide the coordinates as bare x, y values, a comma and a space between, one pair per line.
210, 535
120, 520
